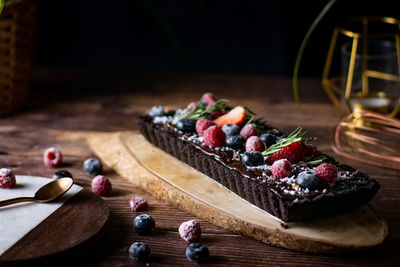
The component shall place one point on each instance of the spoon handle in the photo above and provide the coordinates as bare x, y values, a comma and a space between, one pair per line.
15, 200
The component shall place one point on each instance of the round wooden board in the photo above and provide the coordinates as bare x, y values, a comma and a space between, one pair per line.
79, 219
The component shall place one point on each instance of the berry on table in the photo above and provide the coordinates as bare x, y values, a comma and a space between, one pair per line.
248, 130
208, 98
292, 152
139, 251
268, 139
93, 166
235, 116
231, 129
252, 158
7, 178
190, 231
186, 125
281, 168
52, 157
197, 252
202, 125
61, 174
308, 179
101, 186
214, 136
254, 143
144, 224
327, 173
138, 203
156, 111
235, 142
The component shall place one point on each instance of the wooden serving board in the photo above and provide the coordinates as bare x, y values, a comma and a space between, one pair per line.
169, 179
77, 220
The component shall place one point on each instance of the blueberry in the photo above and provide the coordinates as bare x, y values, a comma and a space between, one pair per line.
139, 251
156, 111
231, 129
197, 252
252, 158
61, 174
186, 125
203, 105
235, 142
144, 224
268, 139
308, 179
93, 166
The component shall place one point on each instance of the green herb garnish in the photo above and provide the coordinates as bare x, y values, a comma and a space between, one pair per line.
296, 136
317, 161
201, 111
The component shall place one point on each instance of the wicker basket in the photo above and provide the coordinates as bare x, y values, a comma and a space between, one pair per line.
17, 33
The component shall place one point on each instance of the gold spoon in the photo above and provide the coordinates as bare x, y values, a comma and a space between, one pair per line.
46, 193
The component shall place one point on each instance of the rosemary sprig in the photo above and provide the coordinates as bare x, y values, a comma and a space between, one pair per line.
296, 136
201, 111
316, 161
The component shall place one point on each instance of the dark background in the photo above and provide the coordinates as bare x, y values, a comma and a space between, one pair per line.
191, 36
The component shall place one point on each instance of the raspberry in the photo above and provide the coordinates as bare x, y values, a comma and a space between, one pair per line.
208, 98
52, 157
7, 178
281, 168
202, 125
248, 130
310, 151
101, 186
327, 173
190, 231
292, 152
138, 203
197, 252
214, 136
254, 143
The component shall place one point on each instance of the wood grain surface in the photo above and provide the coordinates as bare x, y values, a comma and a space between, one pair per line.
65, 105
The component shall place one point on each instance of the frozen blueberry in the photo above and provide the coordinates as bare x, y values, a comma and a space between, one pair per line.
268, 139
231, 129
61, 174
139, 251
252, 158
308, 179
93, 166
235, 142
197, 252
144, 224
156, 111
186, 125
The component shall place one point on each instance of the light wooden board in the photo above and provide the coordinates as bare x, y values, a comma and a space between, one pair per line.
170, 179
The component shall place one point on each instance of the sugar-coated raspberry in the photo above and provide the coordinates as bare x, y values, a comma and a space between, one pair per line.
216, 113
7, 178
52, 157
197, 252
202, 125
208, 98
281, 168
327, 173
138, 203
214, 136
248, 130
254, 143
101, 186
190, 231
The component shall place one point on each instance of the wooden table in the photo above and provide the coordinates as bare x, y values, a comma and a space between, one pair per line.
65, 105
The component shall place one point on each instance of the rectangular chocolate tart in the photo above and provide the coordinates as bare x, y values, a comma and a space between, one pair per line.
281, 198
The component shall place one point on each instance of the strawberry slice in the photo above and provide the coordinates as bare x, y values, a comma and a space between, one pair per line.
292, 152
235, 116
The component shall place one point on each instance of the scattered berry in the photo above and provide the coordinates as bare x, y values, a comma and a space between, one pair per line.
144, 224
156, 111
254, 143
252, 158
308, 179
208, 98
197, 252
235, 142
281, 168
138, 203
268, 139
139, 251
235, 116
327, 173
61, 174
248, 130
93, 166
186, 125
101, 186
7, 178
214, 137
310, 151
231, 129
216, 113
190, 231
292, 152
202, 125
52, 157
